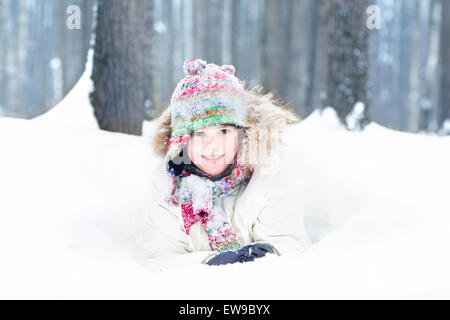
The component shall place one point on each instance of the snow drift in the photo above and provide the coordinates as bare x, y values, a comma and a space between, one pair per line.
72, 197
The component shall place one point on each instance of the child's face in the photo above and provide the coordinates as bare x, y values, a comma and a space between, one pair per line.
213, 148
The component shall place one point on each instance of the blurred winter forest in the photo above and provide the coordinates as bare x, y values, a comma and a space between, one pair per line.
386, 61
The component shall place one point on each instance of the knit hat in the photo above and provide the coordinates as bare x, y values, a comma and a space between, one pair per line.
209, 95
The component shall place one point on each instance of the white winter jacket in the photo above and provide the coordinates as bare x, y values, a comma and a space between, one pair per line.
268, 208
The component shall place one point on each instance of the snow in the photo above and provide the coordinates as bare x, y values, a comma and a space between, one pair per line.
354, 118
73, 198
445, 131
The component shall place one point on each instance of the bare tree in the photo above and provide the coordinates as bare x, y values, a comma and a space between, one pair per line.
346, 69
275, 41
443, 111
300, 68
122, 64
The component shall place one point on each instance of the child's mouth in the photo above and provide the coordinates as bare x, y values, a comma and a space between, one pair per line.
213, 158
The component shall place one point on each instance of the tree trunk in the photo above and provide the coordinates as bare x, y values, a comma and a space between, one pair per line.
416, 70
346, 75
2, 58
443, 112
122, 72
301, 64
276, 47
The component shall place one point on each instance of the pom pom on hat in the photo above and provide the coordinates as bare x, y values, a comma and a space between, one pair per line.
194, 67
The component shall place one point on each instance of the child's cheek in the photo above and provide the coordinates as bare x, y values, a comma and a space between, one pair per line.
231, 148
193, 152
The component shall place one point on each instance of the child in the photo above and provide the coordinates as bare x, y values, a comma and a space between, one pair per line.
212, 192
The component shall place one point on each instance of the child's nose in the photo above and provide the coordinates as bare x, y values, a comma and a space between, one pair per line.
212, 145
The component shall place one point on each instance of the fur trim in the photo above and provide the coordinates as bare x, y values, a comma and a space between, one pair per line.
163, 132
267, 116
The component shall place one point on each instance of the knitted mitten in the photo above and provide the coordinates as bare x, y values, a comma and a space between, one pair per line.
245, 254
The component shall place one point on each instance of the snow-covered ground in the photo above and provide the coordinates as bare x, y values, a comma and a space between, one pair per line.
377, 207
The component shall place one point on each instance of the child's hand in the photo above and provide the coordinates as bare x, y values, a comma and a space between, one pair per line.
245, 254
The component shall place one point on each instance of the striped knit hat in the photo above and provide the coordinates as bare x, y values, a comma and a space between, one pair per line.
209, 95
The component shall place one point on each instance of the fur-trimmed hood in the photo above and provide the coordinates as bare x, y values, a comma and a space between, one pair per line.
266, 119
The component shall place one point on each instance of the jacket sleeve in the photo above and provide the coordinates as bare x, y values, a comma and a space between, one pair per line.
164, 244
160, 231
280, 221
162, 237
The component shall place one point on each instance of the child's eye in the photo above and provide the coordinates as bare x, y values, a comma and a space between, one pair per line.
225, 131
198, 134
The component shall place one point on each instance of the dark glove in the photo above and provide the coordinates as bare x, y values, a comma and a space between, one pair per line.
248, 253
